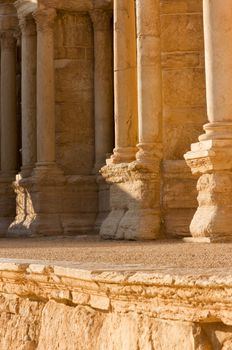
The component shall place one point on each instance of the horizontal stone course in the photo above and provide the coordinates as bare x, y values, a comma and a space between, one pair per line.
48, 295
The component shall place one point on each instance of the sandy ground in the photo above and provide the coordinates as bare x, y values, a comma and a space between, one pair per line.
94, 250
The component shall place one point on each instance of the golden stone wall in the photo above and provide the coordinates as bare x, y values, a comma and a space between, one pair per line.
74, 93
184, 107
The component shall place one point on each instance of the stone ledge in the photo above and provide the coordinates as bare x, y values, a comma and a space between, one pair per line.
64, 305
197, 295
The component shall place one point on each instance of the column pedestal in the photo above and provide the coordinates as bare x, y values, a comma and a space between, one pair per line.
211, 157
212, 160
134, 212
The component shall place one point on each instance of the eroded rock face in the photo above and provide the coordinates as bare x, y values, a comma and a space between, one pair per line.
20, 322
91, 329
61, 307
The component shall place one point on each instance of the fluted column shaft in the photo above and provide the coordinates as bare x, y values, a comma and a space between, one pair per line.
103, 85
29, 46
45, 87
125, 81
9, 152
149, 80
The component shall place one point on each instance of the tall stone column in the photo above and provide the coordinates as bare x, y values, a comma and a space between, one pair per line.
9, 137
135, 186
149, 81
125, 82
29, 45
211, 157
144, 215
103, 86
45, 88
9, 143
39, 197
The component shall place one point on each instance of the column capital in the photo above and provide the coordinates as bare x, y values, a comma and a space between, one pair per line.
27, 25
45, 19
100, 19
8, 40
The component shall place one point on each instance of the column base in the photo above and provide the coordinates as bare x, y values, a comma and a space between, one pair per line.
142, 224
7, 203
36, 225
122, 155
212, 160
49, 203
134, 201
149, 153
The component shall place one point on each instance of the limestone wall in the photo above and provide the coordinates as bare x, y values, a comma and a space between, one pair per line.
78, 307
184, 106
74, 92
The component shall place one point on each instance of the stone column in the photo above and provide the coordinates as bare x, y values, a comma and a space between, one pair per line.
39, 197
142, 220
125, 82
9, 144
28, 29
211, 157
103, 86
45, 88
149, 81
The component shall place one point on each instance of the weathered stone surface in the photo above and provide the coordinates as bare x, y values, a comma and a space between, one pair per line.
182, 32
20, 322
74, 93
134, 202
178, 210
55, 307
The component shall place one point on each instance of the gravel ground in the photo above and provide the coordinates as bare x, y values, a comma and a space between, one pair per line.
92, 249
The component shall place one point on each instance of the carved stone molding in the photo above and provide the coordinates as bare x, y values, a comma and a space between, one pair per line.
27, 26
45, 19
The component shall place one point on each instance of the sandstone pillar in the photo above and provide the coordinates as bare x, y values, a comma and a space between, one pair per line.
149, 81
125, 82
28, 30
103, 86
9, 142
45, 88
9, 151
211, 157
39, 197
135, 187
144, 215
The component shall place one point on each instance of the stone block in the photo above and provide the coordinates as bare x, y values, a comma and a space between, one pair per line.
184, 87
180, 6
181, 60
182, 32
